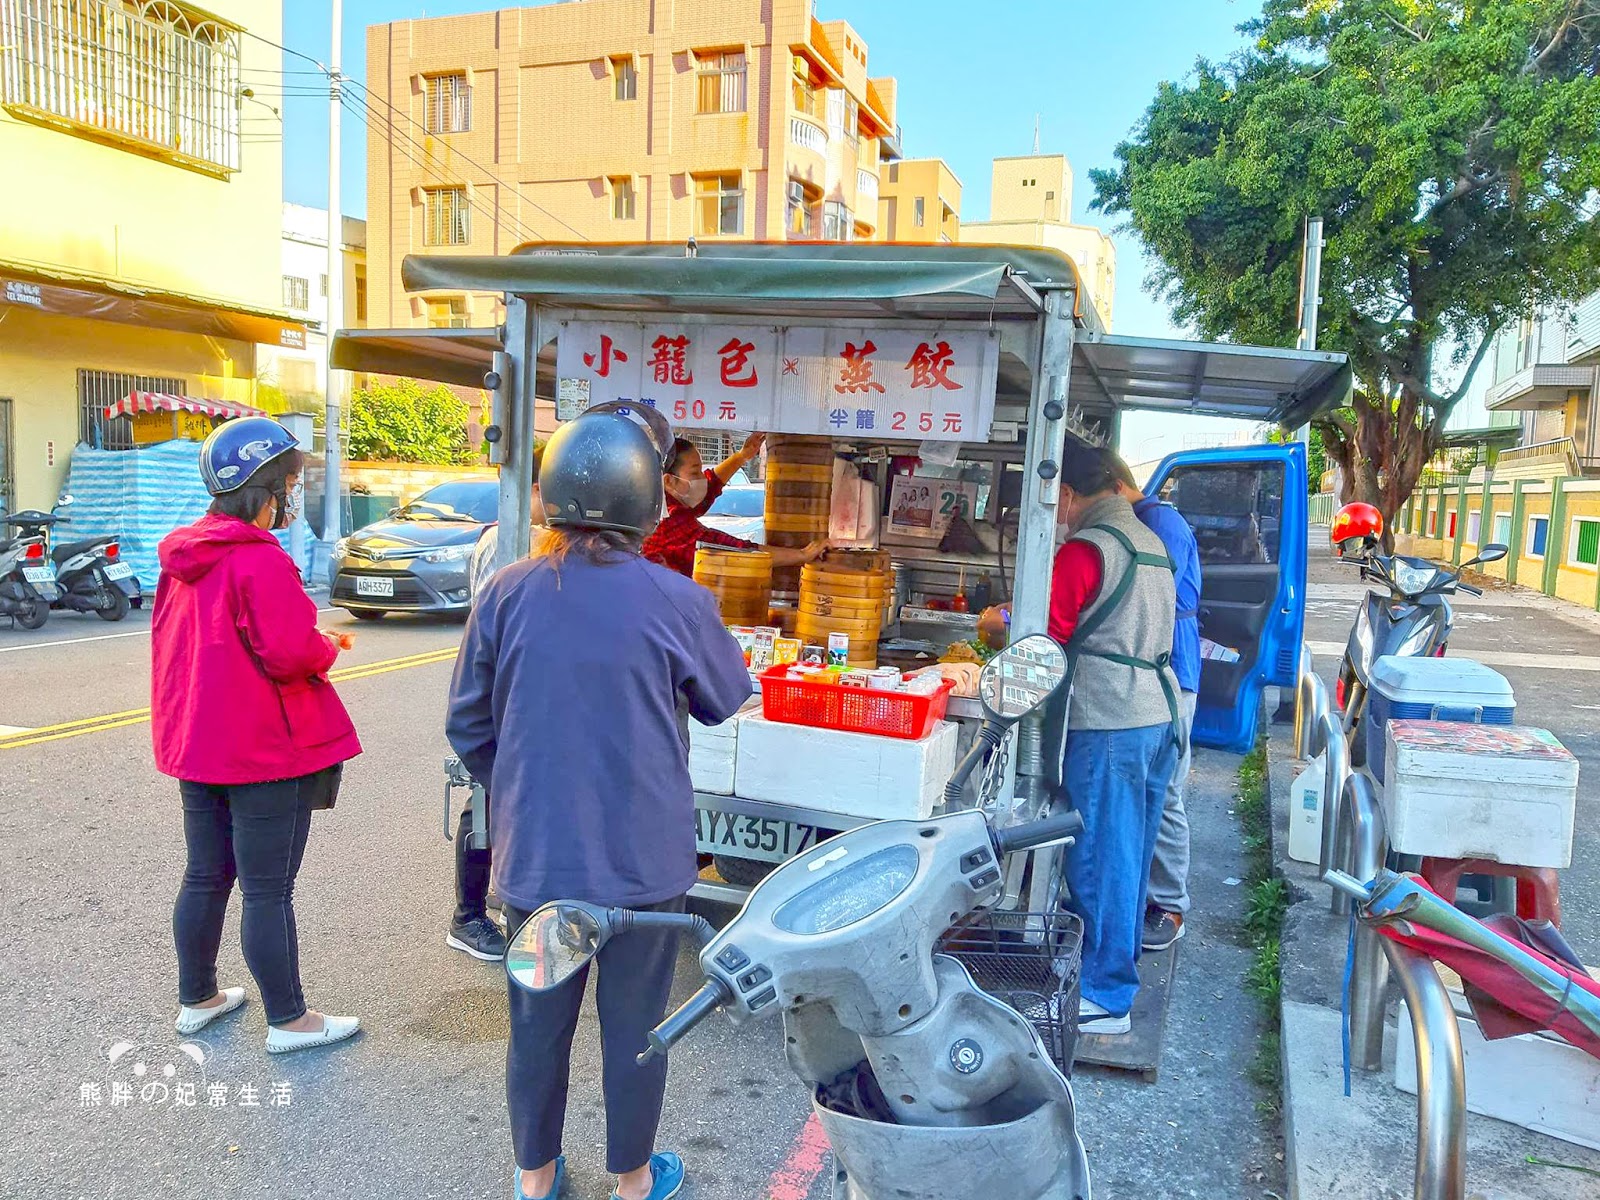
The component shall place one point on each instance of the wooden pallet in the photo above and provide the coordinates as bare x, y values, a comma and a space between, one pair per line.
1140, 1048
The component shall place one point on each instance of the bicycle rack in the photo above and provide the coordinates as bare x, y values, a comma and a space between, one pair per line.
1353, 850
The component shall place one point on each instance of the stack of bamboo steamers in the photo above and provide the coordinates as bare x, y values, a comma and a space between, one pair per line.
741, 580
799, 490
848, 593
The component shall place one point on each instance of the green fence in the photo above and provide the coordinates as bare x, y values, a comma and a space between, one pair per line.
1322, 506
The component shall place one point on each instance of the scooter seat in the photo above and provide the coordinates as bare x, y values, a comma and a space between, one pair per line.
72, 549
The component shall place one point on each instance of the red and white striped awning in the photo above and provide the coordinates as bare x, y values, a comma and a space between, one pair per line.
146, 402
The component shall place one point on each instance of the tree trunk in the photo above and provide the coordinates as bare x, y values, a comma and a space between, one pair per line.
1384, 431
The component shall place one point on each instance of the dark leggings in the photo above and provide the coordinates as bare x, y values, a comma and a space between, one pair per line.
634, 985
472, 874
256, 834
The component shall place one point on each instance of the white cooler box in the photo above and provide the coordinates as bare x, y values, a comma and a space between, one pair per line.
712, 751
1505, 793
1432, 689
856, 774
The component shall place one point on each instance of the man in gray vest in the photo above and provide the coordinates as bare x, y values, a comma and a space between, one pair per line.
1112, 605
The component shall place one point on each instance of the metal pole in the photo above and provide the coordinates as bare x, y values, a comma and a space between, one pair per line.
1041, 480
1369, 976
1336, 768
516, 434
1441, 1172
1310, 284
332, 508
1310, 702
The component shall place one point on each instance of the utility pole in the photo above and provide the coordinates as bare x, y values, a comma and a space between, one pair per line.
332, 511
1310, 298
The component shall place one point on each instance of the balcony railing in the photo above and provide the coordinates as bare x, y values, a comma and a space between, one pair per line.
866, 188
157, 80
808, 135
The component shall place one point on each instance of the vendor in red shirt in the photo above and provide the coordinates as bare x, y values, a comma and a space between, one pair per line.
691, 491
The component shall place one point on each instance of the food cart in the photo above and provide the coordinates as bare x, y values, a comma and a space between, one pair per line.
962, 368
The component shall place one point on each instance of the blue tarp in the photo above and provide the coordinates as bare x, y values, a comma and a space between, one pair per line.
136, 496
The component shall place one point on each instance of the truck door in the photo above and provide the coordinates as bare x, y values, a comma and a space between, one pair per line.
1247, 507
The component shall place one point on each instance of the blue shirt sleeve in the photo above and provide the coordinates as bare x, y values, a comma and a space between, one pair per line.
717, 683
469, 724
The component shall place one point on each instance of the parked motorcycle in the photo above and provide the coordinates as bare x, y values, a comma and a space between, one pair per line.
1414, 620
926, 1086
88, 575
26, 583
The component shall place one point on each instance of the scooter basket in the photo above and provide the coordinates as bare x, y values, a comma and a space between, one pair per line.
1030, 961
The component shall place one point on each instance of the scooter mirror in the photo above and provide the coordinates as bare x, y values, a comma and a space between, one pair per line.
1493, 552
553, 945
1021, 678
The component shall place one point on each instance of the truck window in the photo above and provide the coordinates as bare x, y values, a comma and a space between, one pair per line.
1236, 511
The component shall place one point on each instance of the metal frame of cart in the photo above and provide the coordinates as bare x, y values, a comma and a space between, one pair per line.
1059, 370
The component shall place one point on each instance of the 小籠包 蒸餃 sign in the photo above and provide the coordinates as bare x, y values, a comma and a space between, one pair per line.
916, 382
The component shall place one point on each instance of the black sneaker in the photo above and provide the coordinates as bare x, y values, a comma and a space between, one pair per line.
1161, 929
479, 937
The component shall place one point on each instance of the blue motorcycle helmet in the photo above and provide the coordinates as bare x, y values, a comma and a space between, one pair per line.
235, 451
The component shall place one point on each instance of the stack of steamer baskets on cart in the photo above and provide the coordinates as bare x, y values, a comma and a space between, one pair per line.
741, 580
799, 481
847, 592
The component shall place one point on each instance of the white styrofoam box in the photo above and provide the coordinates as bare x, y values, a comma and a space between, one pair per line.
1305, 812
712, 751
1533, 1080
1502, 792
857, 774
1433, 689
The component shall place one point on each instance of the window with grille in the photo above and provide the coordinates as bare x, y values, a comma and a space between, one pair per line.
97, 389
323, 285
447, 313
446, 217
721, 81
296, 293
361, 298
800, 210
805, 94
837, 223
1585, 548
154, 75
622, 198
1474, 527
719, 205
627, 77
449, 102
1502, 528
1538, 536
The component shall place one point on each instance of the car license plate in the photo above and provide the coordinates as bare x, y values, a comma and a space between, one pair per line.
764, 838
38, 575
118, 571
374, 585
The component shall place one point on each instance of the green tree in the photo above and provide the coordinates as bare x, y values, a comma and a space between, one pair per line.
404, 422
1450, 146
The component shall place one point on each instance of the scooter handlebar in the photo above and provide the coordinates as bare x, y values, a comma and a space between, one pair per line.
711, 996
1037, 833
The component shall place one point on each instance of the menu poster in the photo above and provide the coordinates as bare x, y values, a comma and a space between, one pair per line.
921, 507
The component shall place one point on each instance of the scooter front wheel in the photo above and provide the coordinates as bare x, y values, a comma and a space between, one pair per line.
33, 614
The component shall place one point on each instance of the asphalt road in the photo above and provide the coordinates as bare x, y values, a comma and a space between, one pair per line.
1551, 656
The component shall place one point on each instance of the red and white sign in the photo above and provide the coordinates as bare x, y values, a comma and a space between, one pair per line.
914, 383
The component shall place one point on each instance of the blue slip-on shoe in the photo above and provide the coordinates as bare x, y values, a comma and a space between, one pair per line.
555, 1188
666, 1169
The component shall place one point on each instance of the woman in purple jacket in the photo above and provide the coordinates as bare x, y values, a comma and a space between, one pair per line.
578, 674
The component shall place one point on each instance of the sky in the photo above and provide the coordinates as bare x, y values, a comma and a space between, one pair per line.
972, 78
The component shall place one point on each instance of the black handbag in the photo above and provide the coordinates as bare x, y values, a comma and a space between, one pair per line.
323, 786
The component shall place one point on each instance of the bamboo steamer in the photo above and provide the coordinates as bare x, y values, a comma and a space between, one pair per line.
741, 581
846, 593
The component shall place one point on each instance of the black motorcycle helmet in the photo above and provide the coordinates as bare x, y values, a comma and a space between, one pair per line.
602, 470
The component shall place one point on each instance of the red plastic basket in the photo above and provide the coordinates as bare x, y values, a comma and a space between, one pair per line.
851, 709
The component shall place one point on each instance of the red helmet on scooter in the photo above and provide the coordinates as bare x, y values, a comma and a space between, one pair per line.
1357, 528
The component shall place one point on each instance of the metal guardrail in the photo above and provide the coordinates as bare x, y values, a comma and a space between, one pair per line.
1352, 852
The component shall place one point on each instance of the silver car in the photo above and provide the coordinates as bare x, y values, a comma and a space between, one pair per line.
417, 558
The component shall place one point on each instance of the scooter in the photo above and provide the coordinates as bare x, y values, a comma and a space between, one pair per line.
26, 583
88, 576
926, 1086
1414, 620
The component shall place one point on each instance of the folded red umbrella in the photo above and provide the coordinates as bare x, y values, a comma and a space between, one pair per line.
1519, 976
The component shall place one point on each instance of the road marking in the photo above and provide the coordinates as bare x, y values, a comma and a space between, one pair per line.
103, 637
807, 1158
136, 716
13, 730
1493, 658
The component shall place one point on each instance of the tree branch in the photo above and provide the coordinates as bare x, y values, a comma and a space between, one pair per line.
1472, 369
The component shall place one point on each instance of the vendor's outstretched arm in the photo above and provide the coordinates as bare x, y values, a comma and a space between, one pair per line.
783, 556
746, 454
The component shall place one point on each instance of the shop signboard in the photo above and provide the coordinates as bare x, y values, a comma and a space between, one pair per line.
925, 382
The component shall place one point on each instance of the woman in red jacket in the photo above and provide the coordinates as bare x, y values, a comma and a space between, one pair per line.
243, 716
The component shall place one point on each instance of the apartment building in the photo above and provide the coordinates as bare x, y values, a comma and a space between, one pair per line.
298, 376
1030, 204
919, 200
614, 120
139, 251
1545, 370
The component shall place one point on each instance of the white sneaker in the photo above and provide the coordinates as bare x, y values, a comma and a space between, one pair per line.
334, 1029
1094, 1019
193, 1020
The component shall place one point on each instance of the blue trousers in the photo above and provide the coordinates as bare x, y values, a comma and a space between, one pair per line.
1117, 778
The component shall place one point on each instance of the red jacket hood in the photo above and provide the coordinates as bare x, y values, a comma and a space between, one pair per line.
189, 552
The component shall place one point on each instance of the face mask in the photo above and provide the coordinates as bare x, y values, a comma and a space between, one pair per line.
688, 492
290, 507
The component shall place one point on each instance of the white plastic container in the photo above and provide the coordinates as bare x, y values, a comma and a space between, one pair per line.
1305, 812
1504, 793
1433, 689
857, 774
712, 750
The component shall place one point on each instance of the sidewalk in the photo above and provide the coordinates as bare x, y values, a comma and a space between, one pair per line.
1364, 1147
